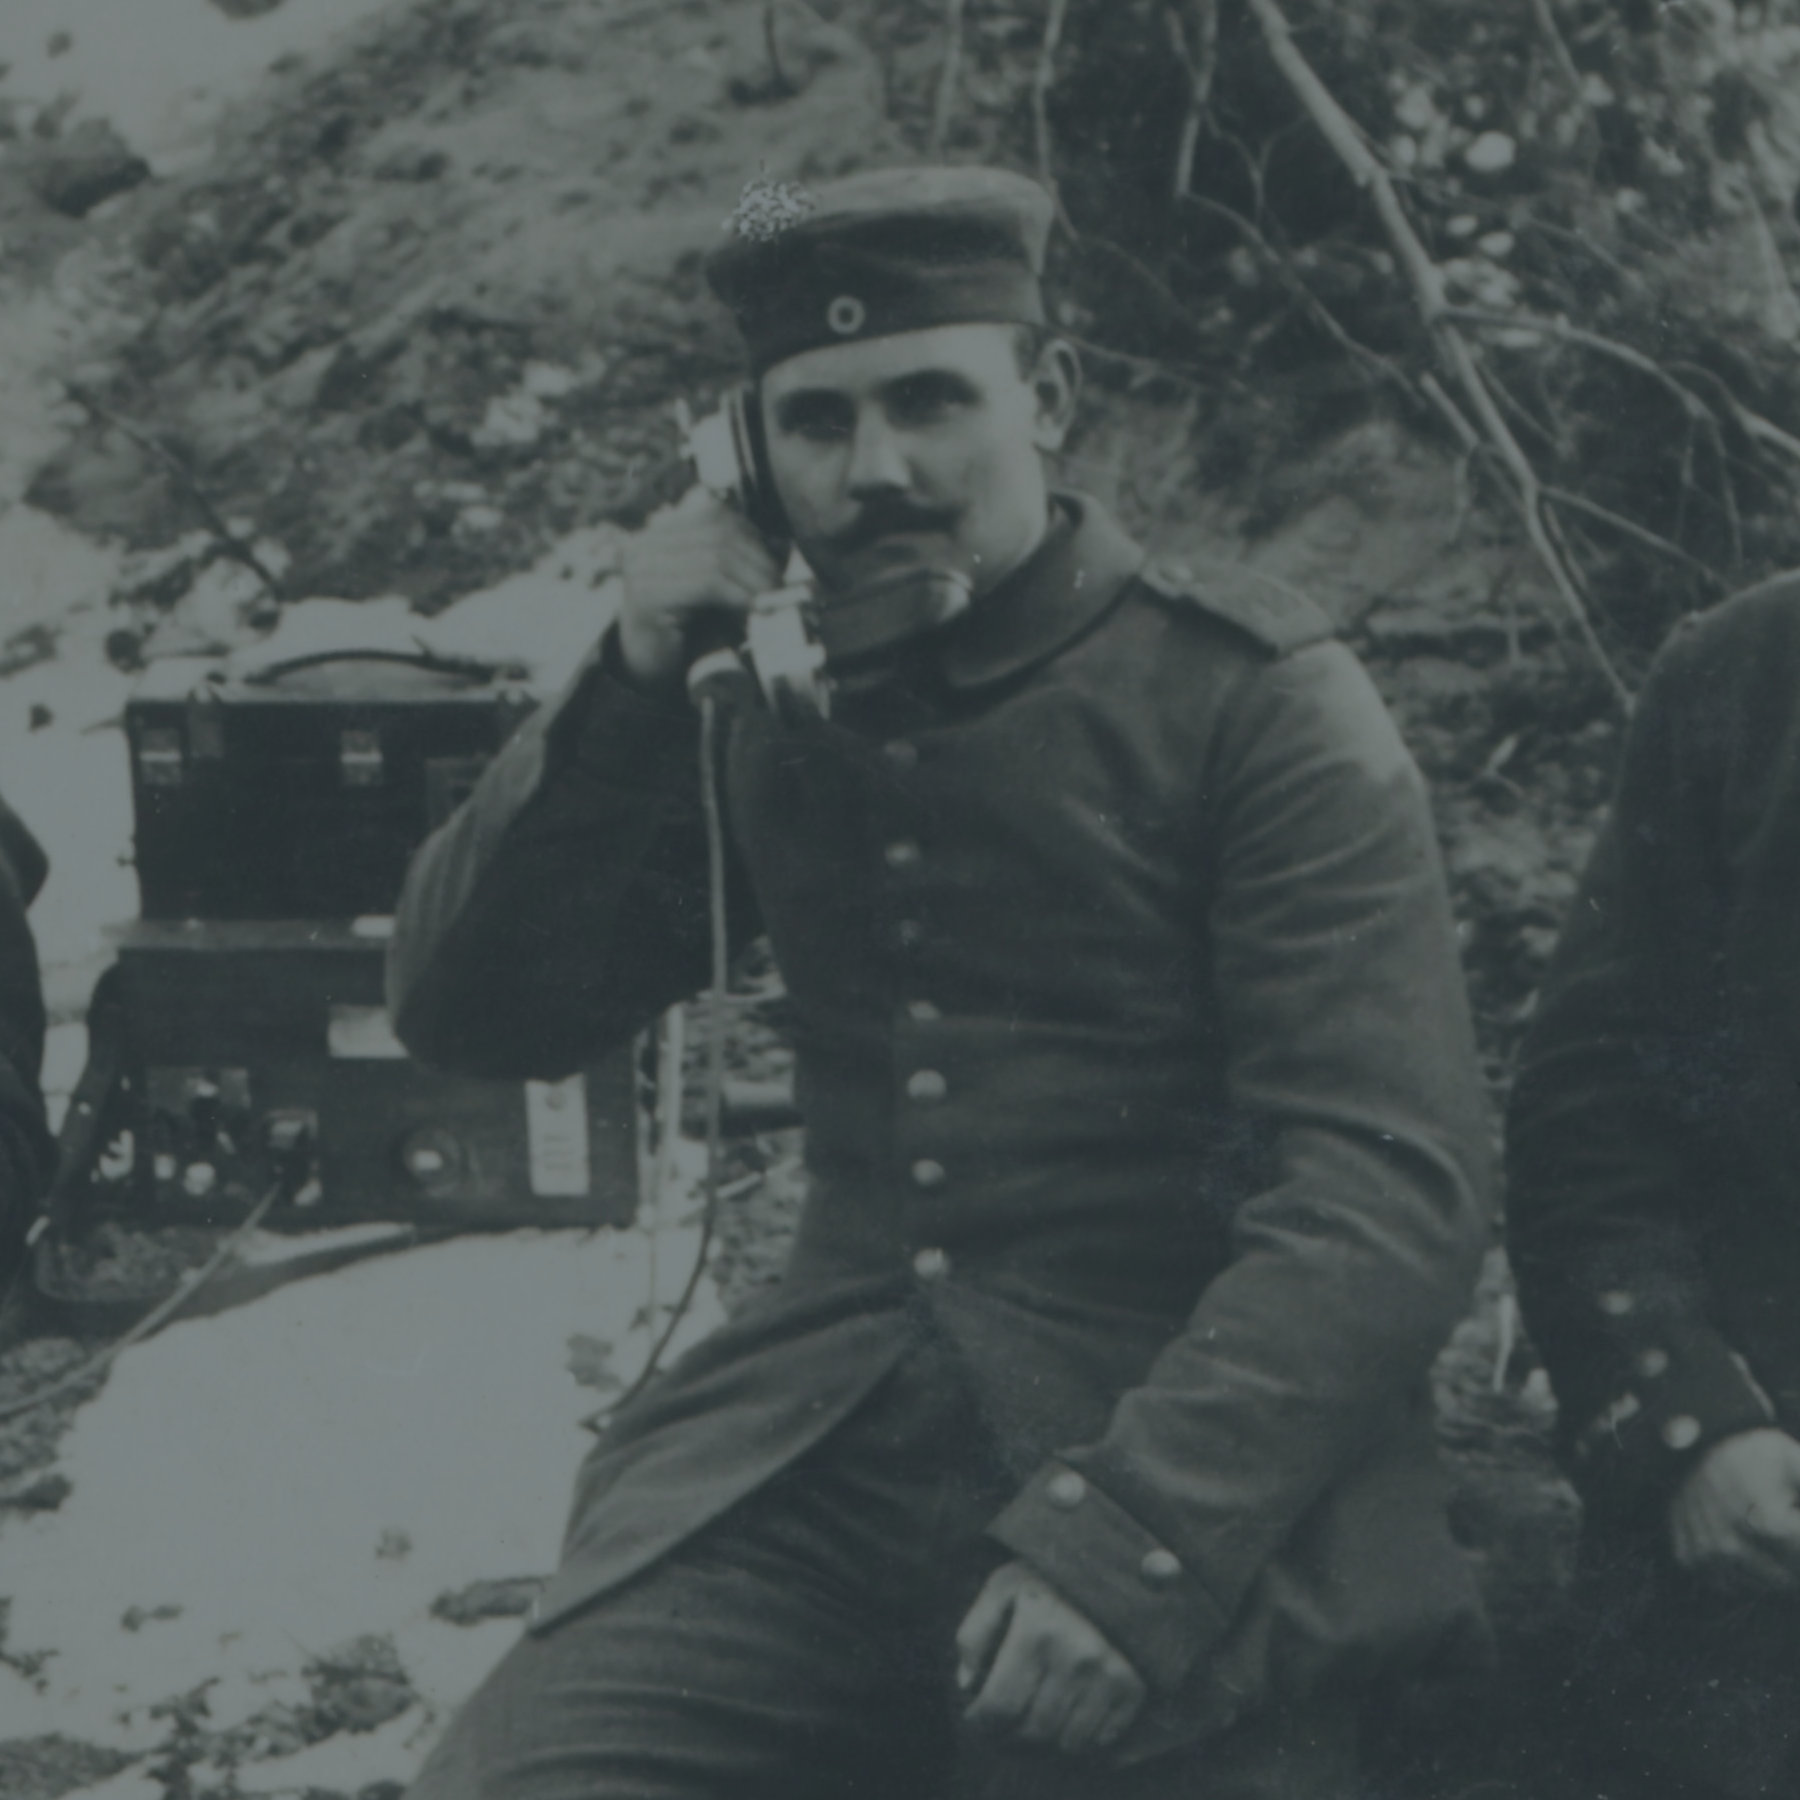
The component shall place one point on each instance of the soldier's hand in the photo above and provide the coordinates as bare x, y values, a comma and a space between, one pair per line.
699, 559
1051, 1678
1737, 1515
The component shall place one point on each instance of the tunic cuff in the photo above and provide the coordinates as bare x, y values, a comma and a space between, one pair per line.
1686, 1391
1152, 1608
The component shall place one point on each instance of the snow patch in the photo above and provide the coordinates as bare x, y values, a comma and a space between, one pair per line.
325, 1464
160, 70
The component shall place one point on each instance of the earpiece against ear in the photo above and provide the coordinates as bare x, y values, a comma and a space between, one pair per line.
762, 506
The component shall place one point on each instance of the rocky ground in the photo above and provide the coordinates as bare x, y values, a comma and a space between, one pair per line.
396, 314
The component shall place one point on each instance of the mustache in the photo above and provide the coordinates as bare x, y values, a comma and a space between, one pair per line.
886, 518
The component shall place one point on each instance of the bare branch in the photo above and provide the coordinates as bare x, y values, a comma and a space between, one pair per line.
948, 74
1457, 419
1753, 425
778, 75
1042, 81
1151, 282
1519, 412
1558, 47
1760, 430
1317, 310
1427, 282
1591, 340
1201, 62
1651, 540
1142, 365
228, 540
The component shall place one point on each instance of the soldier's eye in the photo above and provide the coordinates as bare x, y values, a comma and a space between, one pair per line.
928, 397
820, 418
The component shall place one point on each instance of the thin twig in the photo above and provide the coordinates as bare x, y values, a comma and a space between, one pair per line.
1734, 525
782, 87
1256, 169
1698, 411
1651, 540
1760, 430
1201, 60
1143, 365
157, 1317
1753, 425
229, 541
1685, 487
1043, 79
1529, 498
948, 74
1520, 413
1320, 313
1346, 138
1458, 420
1596, 341
1151, 282
1558, 46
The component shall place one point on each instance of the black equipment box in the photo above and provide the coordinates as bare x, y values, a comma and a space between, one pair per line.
245, 1037
299, 791
240, 1044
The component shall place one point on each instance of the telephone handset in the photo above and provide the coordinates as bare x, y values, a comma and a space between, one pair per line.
799, 647
731, 460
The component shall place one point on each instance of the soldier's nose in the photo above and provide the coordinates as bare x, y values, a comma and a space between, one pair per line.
876, 465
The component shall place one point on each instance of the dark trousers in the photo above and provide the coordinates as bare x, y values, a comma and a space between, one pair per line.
1680, 1691
802, 1649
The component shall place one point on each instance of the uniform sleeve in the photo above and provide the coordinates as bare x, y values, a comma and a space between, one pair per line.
1606, 1114
1349, 1041
565, 904
27, 1151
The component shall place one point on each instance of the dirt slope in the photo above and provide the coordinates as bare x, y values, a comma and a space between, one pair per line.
427, 307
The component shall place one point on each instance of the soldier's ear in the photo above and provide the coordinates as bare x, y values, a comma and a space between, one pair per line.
1056, 386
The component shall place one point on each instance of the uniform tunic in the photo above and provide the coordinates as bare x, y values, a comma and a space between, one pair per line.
1654, 1163
1131, 1042
1654, 1145
27, 1152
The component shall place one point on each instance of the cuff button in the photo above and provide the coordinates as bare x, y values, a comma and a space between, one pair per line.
1681, 1432
1065, 1490
1160, 1569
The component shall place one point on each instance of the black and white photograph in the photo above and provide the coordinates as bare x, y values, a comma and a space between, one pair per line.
899, 900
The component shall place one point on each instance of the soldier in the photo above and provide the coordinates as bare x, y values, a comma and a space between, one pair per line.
1086, 1439
1654, 1218
27, 1153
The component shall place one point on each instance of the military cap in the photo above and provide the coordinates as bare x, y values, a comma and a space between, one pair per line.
890, 251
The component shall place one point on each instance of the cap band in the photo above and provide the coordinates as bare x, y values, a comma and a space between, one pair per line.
901, 251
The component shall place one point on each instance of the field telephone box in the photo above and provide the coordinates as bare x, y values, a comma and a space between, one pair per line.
243, 1021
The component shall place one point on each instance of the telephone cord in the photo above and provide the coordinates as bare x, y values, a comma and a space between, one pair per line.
157, 1317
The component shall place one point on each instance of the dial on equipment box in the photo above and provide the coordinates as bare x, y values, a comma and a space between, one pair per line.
243, 1021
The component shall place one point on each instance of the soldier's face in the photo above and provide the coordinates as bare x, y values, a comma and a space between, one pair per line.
922, 449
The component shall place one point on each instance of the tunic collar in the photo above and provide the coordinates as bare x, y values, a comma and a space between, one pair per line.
1061, 589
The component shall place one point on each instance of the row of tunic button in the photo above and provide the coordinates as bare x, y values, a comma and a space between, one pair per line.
1066, 1490
1680, 1432
924, 1087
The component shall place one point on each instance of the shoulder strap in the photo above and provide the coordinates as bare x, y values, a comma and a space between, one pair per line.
1280, 618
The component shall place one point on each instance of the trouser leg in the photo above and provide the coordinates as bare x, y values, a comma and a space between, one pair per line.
1681, 1691
794, 1649
1308, 1752
715, 1674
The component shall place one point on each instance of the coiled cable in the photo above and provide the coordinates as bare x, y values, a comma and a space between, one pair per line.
718, 1000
